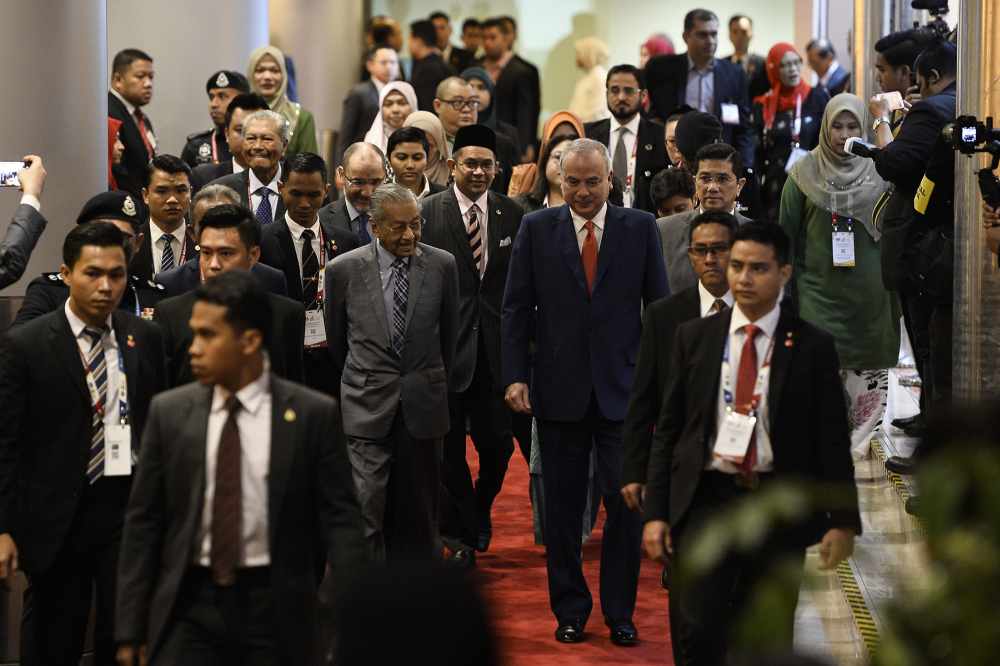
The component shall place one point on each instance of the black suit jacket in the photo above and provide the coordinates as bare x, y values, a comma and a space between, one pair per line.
666, 81
808, 425
312, 510
360, 109
131, 173
203, 174
335, 214
48, 292
650, 156
288, 325
46, 411
518, 99
187, 276
278, 251
479, 299
241, 183
839, 82
756, 73
427, 74
652, 368
461, 59
142, 263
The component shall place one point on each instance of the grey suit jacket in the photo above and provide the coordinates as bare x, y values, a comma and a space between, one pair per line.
25, 229
674, 235
374, 380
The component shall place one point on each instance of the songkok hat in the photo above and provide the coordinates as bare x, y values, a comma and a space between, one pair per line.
696, 130
115, 205
226, 78
475, 135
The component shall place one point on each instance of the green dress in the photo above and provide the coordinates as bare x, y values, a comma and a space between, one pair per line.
303, 138
849, 303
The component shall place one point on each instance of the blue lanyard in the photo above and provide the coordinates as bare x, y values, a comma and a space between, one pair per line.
727, 393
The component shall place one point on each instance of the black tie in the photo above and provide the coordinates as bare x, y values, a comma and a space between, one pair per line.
363, 232
310, 272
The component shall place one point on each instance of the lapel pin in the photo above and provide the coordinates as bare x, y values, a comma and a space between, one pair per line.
498, 212
648, 146
290, 415
130, 341
789, 340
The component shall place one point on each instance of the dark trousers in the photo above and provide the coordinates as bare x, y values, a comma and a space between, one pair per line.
398, 481
318, 370
58, 601
917, 317
231, 626
521, 429
566, 451
704, 610
468, 507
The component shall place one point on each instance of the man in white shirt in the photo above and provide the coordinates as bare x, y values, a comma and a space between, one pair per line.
258, 484
167, 240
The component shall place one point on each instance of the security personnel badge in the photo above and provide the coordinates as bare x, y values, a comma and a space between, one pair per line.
128, 206
222, 81
205, 150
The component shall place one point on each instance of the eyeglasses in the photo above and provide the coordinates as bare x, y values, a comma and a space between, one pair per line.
714, 248
486, 165
362, 182
629, 91
458, 103
720, 178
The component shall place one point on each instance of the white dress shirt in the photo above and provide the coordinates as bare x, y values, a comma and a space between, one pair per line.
465, 206
296, 230
767, 324
700, 91
631, 129
236, 166
253, 420
706, 300
110, 344
255, 185
825, 79
176, 239
581, 233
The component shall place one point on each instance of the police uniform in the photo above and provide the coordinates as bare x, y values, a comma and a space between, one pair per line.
210, 146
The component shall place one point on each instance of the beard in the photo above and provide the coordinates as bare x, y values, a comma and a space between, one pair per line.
622, 112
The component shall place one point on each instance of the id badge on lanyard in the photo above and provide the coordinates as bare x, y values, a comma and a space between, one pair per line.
736, 430
117, 436
315, 335
843, 243
797, 152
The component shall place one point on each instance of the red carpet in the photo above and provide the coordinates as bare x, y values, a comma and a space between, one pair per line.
512, 575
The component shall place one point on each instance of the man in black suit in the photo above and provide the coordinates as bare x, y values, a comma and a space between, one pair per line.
210, 146
75, 387
131, 89
230, 241
265, 137
362, 171
478, 228
720, 435
710, 237
300, 246
458, 59
638, 146
822, 59
703, 82
518, 91
429, 68
238, 109
753, 64
237, 505
26, 226
167, 238
361, 103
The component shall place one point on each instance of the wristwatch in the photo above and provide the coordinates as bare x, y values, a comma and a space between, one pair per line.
879, 121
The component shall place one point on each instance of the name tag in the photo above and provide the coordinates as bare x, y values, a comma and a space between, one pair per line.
733, 439
923, 196
797, 154
843, 249
730, 114
315, 328
117, 450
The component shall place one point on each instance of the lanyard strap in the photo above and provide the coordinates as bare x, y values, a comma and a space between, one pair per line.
834, 218
215, 149
727, 375
95, 395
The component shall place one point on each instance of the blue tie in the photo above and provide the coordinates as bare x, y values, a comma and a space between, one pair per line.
363, 233
99, 371
264, 213
401, 280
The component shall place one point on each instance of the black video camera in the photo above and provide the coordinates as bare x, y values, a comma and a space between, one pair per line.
970, 136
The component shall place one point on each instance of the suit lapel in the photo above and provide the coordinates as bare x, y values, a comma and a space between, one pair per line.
781, 360
62, 341
142, 262
418, 265
373, 285
127, 351
602, 133
193, 437
494, 228
284, 238
284, 423
565, 233
710, 368
456, 226
610, 240
244, 177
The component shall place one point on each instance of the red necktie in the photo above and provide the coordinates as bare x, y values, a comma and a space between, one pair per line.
140, 120
589, 256
745, 381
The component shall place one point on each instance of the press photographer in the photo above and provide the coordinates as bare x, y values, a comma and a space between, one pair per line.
969, 136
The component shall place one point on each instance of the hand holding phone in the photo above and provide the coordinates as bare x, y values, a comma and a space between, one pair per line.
893, 100
32, 176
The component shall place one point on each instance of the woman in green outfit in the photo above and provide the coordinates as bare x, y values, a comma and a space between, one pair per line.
826, 208
269, 78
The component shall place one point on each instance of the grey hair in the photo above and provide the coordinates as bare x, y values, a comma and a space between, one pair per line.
216, 192
363, 146
388, 194
279, 121
580, 146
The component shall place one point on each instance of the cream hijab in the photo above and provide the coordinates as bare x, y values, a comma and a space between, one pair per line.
379, 132
280, 102
843, 184
437, 168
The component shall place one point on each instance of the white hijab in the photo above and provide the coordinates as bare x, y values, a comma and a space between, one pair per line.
380, 131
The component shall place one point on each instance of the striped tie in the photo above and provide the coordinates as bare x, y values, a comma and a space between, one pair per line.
99, 371
167, 260
475, 234
401, 280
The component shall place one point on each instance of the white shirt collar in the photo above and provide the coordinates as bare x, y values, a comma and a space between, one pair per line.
378, 84
766, 324
236, 167
465, 203
352, 212
77, 325
834, 66
255, 183
250, 396
707, 300
632, 125
128, 105
427, 188
157, 231
297, 228
598, 219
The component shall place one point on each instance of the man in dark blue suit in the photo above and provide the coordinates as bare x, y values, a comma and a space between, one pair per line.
579, 276
703, 82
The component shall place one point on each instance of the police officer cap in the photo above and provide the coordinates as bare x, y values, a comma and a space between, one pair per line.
475, 135
115, 205
225, 78
695, 130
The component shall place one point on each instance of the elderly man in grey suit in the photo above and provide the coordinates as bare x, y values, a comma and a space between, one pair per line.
27, 225
718, 181
392, 321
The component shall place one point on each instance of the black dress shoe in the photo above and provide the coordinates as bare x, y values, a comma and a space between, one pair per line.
483, 540
624, 634
571, 632
907, 422
900, 465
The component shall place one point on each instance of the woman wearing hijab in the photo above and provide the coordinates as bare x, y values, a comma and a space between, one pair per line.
437, 160
561, 123
590, 100
480, 80
786, 119
269, 78
658, 44
115, 151
827, 207
396, 101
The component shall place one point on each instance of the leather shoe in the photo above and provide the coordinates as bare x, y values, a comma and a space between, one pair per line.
571, 632
907, 422
901, 465
624, 634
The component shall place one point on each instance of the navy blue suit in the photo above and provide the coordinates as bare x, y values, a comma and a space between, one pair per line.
579, 379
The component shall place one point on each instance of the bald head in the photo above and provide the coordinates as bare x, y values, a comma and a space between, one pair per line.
362, 170
456, 104
452, 86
